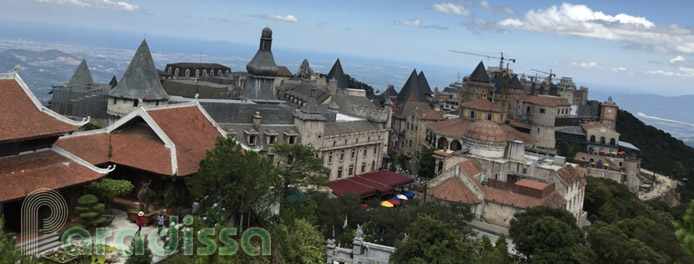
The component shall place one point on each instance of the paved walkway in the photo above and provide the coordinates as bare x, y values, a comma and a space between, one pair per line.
661, 186
121, 222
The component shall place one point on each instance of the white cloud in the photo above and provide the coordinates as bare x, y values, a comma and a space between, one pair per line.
676, 59
451, 8
686, 72
288, 18
619, 69
415, 22
497, 10
478, 25
411, 22
579, 20
105, 4
585, 65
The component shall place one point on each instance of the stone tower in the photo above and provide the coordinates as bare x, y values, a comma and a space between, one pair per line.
608, 113
262, 70
310, 122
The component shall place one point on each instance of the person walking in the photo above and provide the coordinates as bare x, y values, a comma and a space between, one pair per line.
196, 206
160, 222
140, 222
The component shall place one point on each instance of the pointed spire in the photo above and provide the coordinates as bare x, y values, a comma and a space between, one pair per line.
140, 80
411, 91
82, 76
423, 83
113, 82
479, 74
338, 74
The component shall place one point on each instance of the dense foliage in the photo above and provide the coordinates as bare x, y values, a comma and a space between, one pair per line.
432, 241
135, 258
90, 210
685, 229
8, 252
426, 164
625, 228
300, 166
107, 189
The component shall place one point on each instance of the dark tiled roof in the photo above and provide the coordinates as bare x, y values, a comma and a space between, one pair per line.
338, 74
82, 76
140, 80
423, 83
284, 71
574, 130
113, 82
263, 63
345, 102
200, 65
411, 91
22, 174
263, 131
340, 128
513, 83
405, 108
480, 74
22, 118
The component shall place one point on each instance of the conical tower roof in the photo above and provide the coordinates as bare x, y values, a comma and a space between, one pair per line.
82, 76
479, 74
423, 83
411, 91
305, 66
113, 82
338, 74
140, 80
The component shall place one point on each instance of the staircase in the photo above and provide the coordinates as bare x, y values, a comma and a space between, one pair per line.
43, 243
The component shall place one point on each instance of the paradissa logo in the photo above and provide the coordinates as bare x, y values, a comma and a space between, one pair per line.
207, 237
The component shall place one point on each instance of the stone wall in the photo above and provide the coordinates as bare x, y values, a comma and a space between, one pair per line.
370, 141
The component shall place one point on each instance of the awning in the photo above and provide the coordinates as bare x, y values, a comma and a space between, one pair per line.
375, 183
386, 204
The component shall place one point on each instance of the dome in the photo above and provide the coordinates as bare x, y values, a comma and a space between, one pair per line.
267, 33
486, 131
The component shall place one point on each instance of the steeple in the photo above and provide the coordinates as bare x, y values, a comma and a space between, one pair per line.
423, 84
140, 80
479, 74
339, 75
82, 77
113, 82
263, 63
411, 92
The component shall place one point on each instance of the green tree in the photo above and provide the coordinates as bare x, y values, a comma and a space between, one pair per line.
549, 235
145, 258
304, 244
612, 245
427, 163
685, 229
90, 210
107, 189
300, 165
568, 150
432, 241
486, 253
331, 213
8, 252
244, 183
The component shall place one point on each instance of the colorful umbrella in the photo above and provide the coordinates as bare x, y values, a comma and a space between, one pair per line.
409, 194
402, 197
386, 204
393, 201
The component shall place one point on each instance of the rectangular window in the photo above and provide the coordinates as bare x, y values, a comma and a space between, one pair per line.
330, 157
339, 172
135, 103
292, 139
354, 151
342, 155
351, 170
375, 148
363, 167
251, 140
364, 151
115, 100
542, 110
272, 140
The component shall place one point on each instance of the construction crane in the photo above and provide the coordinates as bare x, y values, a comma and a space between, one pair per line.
549, 74
501, 59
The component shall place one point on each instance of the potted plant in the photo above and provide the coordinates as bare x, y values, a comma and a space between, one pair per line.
58, 256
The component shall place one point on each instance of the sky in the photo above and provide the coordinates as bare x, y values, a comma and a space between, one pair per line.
625, 46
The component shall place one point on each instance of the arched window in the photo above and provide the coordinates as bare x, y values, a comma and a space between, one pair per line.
613, 142
219, 72
212, 72
170, 69
472, 114
176, 72
592, 138
187, 72
602, 140
527, 110
489, 116
204, 72
197, 73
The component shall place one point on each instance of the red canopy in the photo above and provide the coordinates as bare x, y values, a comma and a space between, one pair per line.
365, 185
393, 201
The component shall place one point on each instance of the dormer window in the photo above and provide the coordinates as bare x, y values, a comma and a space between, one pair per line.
271, 136
271, 140
291, 136
231, 133
251, 136
197, 73
251, 139
187, 72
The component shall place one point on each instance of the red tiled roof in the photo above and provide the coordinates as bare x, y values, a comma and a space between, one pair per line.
570, 174
519, 124
22, 174
469, 168
454, 190
509, 198
486, 131
93, 148
532, 184
429, 114
512, 135
20, 118
370, 184
139, 147
452, 127
546, 100
441, 153
191, 132
483, 105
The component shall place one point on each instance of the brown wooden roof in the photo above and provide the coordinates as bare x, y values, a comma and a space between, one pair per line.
483, 105
454, 190
546, 100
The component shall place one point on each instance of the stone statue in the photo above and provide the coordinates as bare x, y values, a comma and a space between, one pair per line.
359, 232
144, 196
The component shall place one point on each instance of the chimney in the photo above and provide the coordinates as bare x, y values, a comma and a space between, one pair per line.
332, 86
256, 120
437, 108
